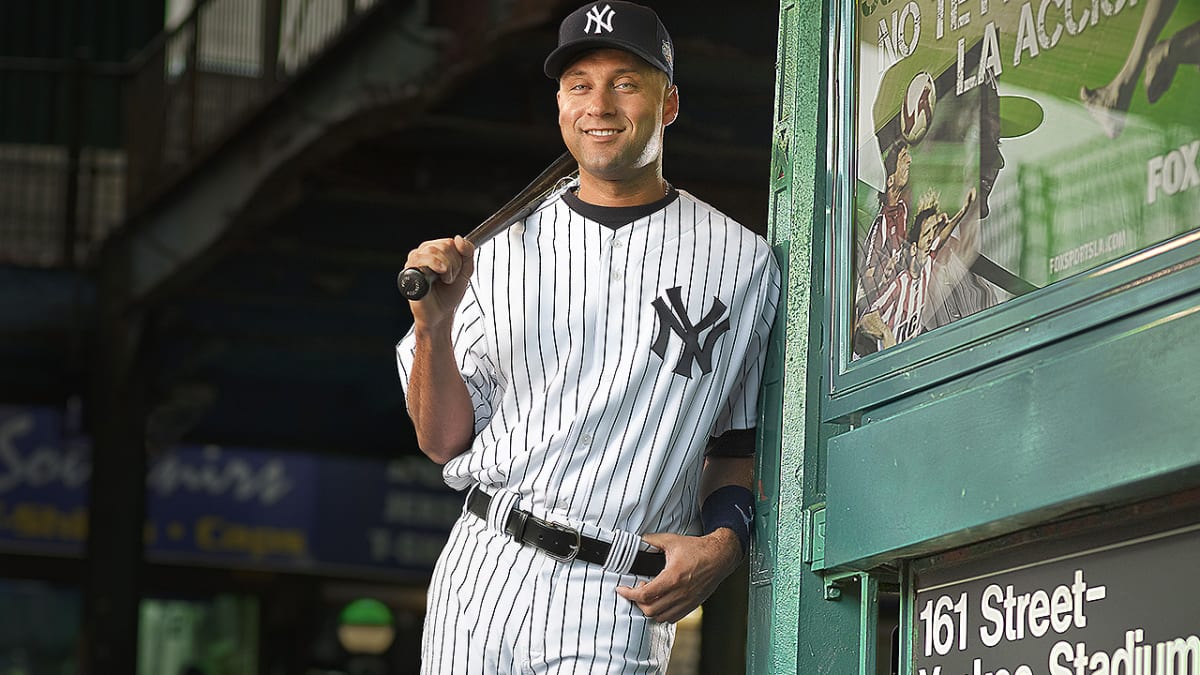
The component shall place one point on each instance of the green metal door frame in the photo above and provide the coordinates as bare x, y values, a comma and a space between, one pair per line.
1069, 399
782, 587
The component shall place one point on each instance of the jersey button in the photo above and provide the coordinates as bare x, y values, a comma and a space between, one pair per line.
585, 439
616, 275
618, 244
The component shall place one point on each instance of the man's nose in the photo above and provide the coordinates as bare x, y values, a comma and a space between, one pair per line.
600, 102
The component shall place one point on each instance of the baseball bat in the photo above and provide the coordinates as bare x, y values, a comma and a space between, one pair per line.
415, 282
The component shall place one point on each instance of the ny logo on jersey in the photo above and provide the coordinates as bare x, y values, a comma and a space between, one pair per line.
601, 18
675, 319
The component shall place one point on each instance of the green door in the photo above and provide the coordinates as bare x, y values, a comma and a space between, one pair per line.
984, 376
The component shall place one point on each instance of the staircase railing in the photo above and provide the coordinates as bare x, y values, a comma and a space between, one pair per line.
199, 81
64, 187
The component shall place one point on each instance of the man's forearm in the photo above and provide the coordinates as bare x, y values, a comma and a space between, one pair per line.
721, 471
438, 401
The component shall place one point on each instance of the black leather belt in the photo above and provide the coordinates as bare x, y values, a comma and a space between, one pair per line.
559, 541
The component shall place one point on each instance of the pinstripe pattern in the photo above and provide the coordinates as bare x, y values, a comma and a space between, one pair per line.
883, 243
624, 549
497, 607
577, 416
902, 303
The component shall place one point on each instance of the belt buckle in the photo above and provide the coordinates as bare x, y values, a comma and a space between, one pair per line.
565, 530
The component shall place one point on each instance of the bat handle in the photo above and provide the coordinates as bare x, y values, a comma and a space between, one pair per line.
415, 282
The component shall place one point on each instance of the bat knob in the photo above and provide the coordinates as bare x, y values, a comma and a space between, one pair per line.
413, 283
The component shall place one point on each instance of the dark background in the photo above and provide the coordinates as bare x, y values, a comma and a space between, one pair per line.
277, 202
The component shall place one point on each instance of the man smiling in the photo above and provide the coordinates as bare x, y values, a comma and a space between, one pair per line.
612, 111
599, 406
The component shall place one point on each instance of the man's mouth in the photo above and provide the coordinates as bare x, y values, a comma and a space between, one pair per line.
602, 132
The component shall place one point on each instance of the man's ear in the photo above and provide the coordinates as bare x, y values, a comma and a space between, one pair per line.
671, 105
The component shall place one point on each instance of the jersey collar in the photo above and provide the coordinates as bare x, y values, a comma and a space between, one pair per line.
615, 217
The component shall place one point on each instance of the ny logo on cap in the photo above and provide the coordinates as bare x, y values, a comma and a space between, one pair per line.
602, 18
679, 323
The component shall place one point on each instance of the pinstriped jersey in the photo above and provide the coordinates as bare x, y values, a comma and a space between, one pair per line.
600, 361
902, 303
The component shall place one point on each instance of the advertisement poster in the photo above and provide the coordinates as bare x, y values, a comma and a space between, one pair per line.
1124, 608
1003, 145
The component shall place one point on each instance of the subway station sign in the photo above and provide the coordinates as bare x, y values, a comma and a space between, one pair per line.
1125, 608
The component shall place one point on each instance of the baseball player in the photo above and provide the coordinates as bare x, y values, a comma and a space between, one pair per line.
590, 379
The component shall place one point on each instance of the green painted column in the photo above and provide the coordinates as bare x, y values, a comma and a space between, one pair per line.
793, 627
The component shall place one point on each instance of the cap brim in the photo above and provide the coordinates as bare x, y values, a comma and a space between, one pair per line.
1019, 115
562, 57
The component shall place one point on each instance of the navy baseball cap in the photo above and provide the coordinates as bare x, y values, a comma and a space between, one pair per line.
617, 25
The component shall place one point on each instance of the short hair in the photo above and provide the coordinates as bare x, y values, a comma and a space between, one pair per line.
914, 230
929, 205
892, 157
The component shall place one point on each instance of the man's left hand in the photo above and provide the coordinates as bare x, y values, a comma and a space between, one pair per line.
695, 567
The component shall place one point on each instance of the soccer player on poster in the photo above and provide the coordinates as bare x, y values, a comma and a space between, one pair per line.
897, 314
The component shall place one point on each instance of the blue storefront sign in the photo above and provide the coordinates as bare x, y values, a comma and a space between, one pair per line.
43, 483
234, 507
